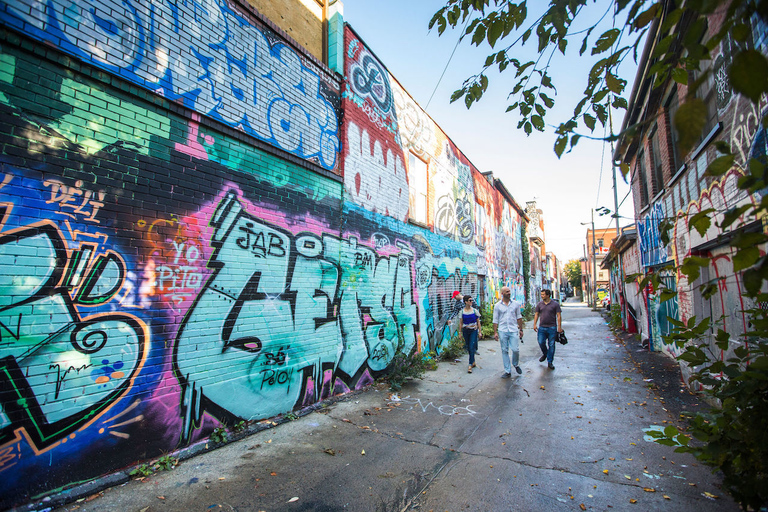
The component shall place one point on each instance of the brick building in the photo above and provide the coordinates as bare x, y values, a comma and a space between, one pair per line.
669, 188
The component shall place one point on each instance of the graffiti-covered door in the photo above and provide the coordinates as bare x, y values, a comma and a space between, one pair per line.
662, 311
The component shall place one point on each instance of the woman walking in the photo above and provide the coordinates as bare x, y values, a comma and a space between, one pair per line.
469, 323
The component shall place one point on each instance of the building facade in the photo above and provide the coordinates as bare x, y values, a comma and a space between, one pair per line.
209, 216
670, 188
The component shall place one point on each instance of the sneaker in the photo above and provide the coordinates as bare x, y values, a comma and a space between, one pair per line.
543, 358
506, 375
519, 370
469, 370
551, 366
474, 365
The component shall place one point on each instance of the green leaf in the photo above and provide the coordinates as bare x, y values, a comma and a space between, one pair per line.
457, 94
538, 123
680, 76
584, 42
624, 167
589, 121
614, 83
745, 258
663, 46
740, 32
744, 240
720, 165
549, 102
749, 74
561, 44
670, 431
753, 281
671, 19
526, 35
619, 102
574, 140
701, 221
666, 295
560, 145
479, 35
689, 122
733, 214
495, 30
605, 41
436, 18
644, 18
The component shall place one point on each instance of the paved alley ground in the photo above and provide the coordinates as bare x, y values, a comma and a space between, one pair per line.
568, 439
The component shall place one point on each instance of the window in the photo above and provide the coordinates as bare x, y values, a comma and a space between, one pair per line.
657, 174
707, 92
671, 108
642, 179
417, 180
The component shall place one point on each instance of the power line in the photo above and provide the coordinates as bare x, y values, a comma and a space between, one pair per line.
447, 63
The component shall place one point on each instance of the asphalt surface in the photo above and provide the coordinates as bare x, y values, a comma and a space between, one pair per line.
565, 439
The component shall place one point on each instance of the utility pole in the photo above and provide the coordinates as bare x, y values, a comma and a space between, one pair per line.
594, 261
613, 168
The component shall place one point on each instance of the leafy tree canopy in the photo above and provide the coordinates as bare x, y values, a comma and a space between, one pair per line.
682, 44
572, 271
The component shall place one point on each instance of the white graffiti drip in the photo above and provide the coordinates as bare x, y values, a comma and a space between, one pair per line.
375, 180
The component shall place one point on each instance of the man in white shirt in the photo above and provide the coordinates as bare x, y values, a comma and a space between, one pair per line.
506, 313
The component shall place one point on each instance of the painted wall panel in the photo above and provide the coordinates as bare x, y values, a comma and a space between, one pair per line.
206, 55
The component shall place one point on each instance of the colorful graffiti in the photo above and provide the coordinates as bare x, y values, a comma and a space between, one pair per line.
652, 249
272, 292
59, 368
203, 54
164, 274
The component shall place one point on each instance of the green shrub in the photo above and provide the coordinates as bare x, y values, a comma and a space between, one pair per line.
166, 463
219, 435
453, 348
527, 312
404, 367
141, 470
430, 360
616, 316
486, 321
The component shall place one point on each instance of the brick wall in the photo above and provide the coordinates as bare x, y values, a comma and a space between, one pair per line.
179, 248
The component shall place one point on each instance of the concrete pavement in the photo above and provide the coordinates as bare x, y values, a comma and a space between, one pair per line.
568, 439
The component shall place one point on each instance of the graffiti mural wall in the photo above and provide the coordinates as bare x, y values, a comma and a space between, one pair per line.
204, 54
184, 246
398, 163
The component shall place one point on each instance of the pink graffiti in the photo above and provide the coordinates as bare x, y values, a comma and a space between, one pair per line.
193, 147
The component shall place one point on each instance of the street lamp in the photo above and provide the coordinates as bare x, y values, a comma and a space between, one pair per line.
594, 260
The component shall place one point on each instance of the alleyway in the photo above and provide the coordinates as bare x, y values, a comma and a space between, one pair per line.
568, 439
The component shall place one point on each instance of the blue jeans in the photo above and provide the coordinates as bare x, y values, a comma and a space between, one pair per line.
546, 338
509, 340
470, 343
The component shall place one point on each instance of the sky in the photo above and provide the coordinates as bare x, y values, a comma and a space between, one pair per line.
566, 189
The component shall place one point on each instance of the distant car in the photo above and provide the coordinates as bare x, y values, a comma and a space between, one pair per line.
606, 302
